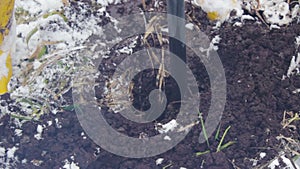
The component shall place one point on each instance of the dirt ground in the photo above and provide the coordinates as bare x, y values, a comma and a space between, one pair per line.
255, 59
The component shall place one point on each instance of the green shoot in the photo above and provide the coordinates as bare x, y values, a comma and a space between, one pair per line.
69, 107
31, 33
220, 146
167, 166
202, 153
202, 164
203, 129
295, 118
20, 117
218, 133
42, 52
226, 145
286, 122
60, 13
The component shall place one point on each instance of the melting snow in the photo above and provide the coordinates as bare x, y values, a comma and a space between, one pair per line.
70, 165
294, 65
39, 130
159, 161
262, 155
273, 164
170, 126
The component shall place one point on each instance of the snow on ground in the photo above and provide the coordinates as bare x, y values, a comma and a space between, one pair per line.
286, 161
41, 77
277, 12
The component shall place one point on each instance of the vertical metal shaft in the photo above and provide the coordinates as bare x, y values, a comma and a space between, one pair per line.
176, 25
177, 28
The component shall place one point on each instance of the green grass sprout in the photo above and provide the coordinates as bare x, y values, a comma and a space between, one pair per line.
21, 117
202, 152
31, 33
167, 166
203, 129
42, 52
60, 13
220, 145
217, 133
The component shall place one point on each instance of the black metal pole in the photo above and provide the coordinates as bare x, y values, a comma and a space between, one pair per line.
176, 26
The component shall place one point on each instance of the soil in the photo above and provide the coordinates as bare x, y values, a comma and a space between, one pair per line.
255, 59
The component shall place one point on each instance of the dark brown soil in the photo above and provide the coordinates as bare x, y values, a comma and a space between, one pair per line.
255, 60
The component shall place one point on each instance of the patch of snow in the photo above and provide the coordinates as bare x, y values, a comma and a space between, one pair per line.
294, 65
67, 38
11, 152
170, 126
274, 27
238, 24
297, 41
97, 151
296, 91
254, 162
126, 50
212, 45
3, 68
54, 111
40, 6
58, 124
167, 138
276, 11
190, 26
159, 161
273, 164
295, 11
7, 157
70, 165
2, 151
49, 123
36, 64
39, 130
24, 161
216, 39
287, 162
18, 132
222, 8
7, 48
297, 163
262, 155
246, 17
83, 135
108, 2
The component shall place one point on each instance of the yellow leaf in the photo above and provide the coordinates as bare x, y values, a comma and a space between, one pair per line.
6, 8
5, 79
213, 15
6, 21
6, 12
